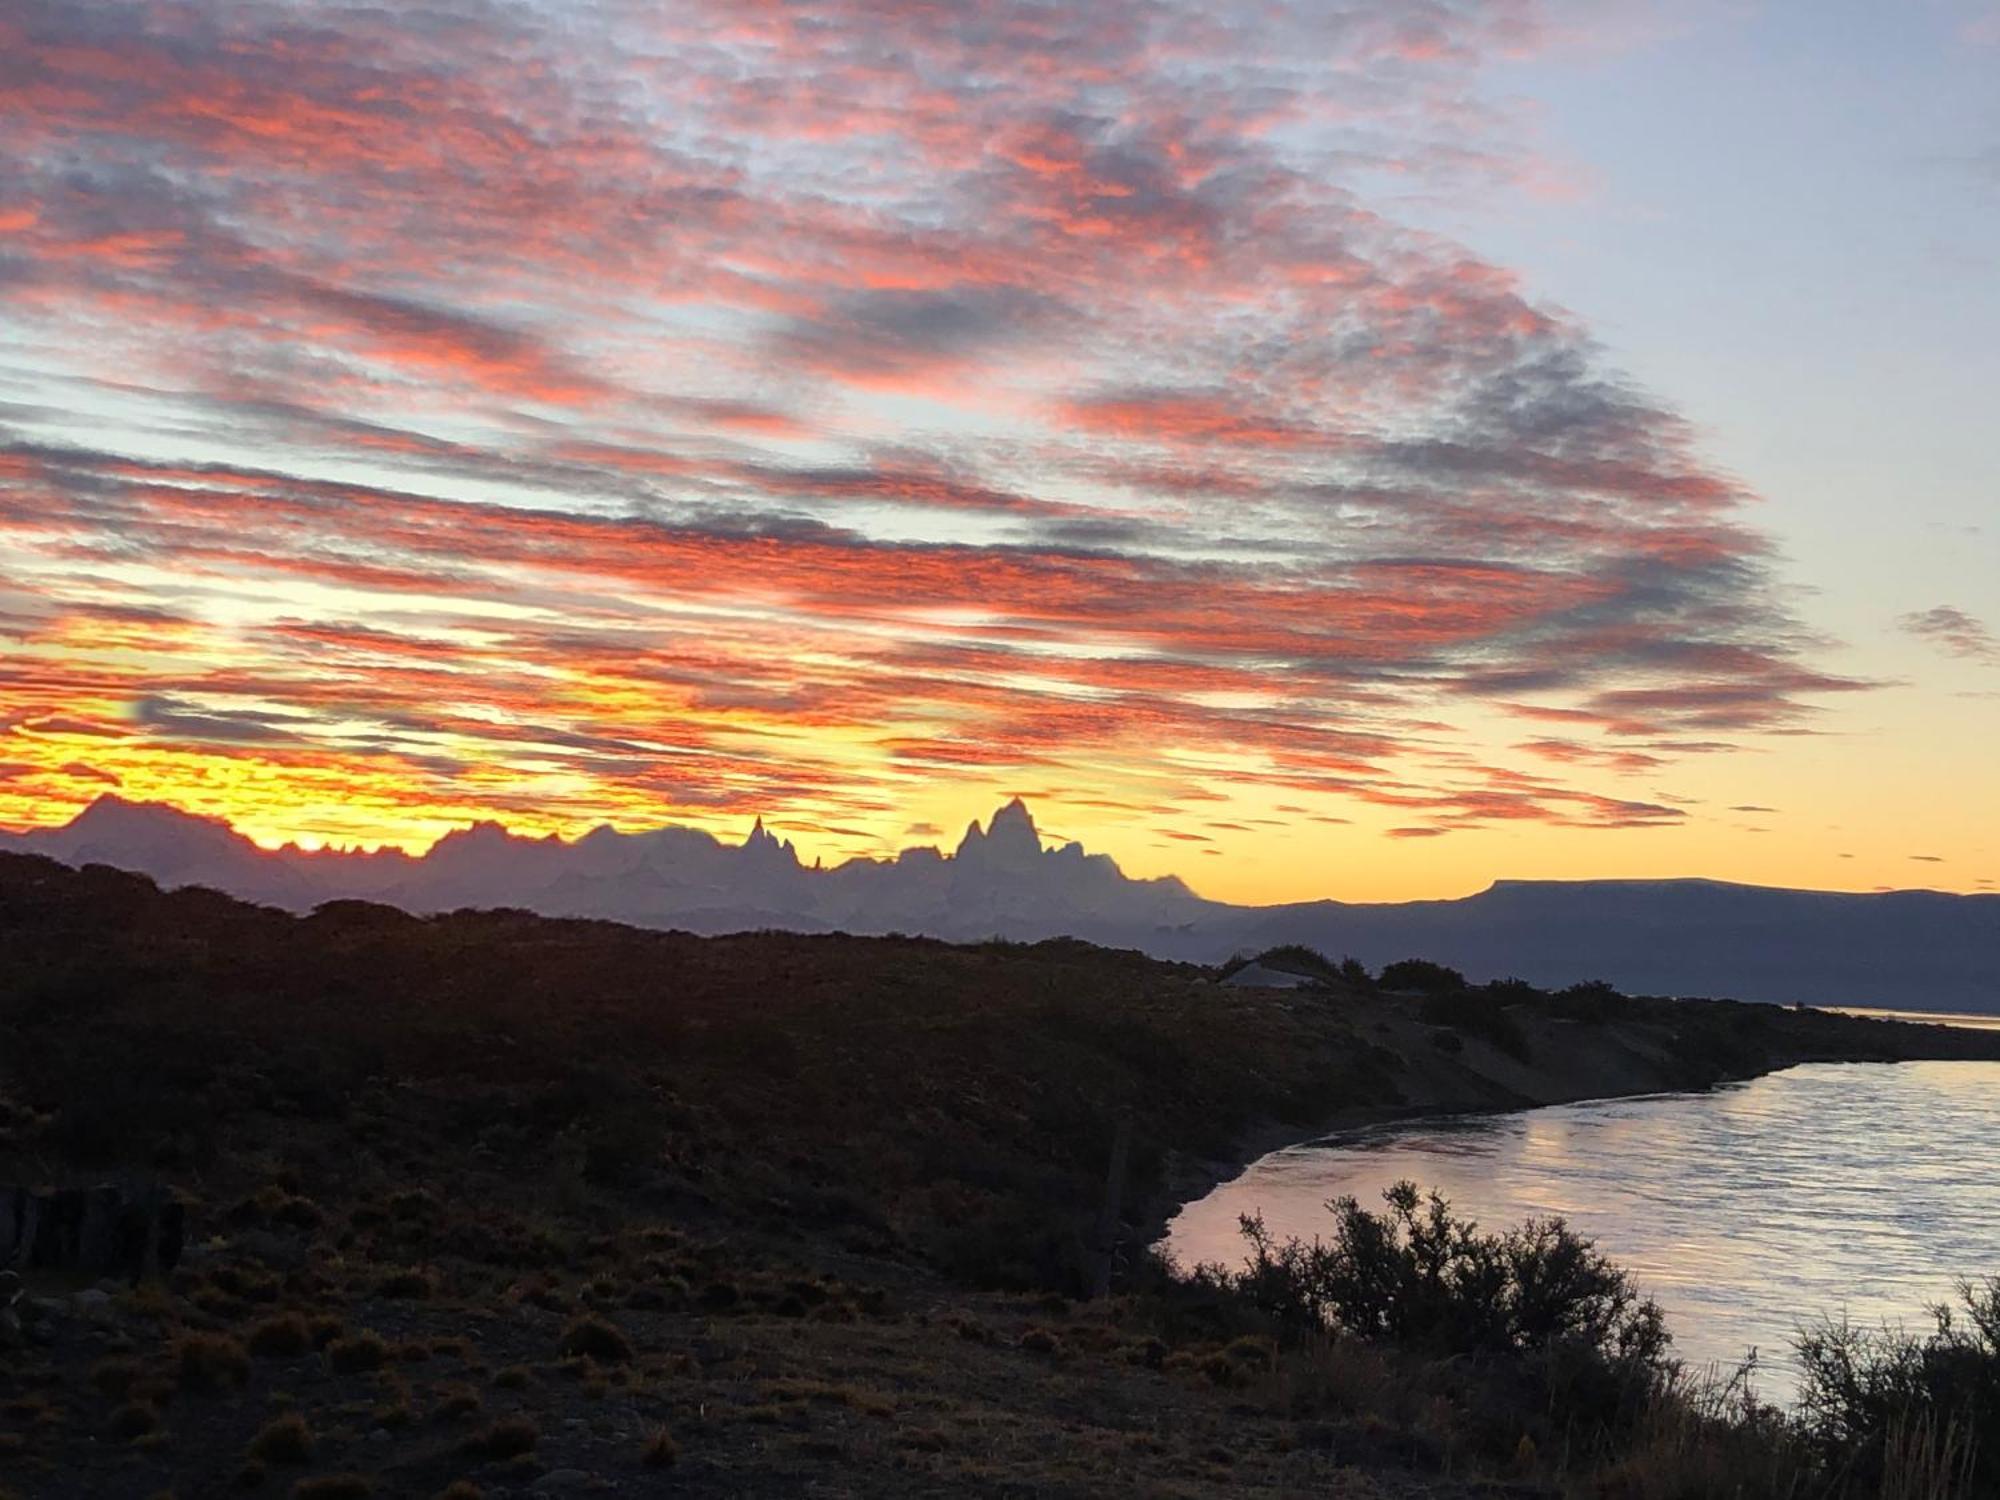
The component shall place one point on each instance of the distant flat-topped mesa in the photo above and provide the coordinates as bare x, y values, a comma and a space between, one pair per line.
1917, 950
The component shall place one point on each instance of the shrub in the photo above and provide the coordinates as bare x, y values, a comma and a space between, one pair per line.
1478, 1015
284, 1440
720, 1296
661, 1451
361, 1352
133, 1421
461, 1401
407, 1285
210, 1361
1904, 1413
1593, 1000
325, 1329
1423, 976
115, 1376
506, 1438
281, 1337
1538, 1298
1040, 1341
596, 1339
334, 1487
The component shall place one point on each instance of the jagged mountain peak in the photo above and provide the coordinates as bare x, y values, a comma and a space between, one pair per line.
767, 849
113, 811
1667, 936
1010, 837
485, 834
1015, 812
112, 824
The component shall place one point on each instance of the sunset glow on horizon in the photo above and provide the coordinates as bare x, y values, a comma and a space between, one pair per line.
859, 414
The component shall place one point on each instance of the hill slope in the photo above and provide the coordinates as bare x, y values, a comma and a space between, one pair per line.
494, 1197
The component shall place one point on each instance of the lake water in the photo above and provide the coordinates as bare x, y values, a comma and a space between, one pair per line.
1857, 1188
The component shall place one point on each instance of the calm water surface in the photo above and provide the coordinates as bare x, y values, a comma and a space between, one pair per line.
1863, 1188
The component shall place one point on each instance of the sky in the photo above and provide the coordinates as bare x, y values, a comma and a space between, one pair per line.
1320, 449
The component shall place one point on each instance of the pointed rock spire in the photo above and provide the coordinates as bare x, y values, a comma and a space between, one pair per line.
764, 845
1010, 840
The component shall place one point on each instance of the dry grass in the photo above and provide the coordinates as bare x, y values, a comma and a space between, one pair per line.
506, 1438
334, 1487
284, 1440
1928, 1458
593, 1338
133, 1421
285, 1336
660, 1450
409, 1285
827, 1393
357, 1353
115, 1376
210, 1362
456, 1404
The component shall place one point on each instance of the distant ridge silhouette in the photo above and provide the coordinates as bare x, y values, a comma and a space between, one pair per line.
1915, 950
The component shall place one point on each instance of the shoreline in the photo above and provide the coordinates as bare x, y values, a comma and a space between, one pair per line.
1189, 1179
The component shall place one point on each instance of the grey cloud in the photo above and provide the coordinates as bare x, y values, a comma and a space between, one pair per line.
1955, 632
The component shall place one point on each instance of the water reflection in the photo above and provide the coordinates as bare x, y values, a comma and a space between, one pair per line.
1859, 1188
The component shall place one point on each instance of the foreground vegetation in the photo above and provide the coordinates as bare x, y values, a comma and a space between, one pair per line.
1532, 1332
488, 1203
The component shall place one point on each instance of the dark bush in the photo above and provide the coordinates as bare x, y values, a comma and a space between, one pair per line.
1593, 1000
1477, 1015
210, 1362
283, 1440
281, 1337
598, 1340
1890, 1408
1538, 1300
1423, 976
507, 1438
358, 1353
1419, 1277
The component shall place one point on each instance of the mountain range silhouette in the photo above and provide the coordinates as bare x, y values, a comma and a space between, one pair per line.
1921, 950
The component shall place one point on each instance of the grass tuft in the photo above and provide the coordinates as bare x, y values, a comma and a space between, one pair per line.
285, 1336
661, 1451
357, 1353
283, 1440
506, 1438
593, 1338
210, 1362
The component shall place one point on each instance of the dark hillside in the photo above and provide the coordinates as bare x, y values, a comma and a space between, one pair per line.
793, 1179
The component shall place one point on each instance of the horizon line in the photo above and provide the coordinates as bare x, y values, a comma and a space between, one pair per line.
759, 826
